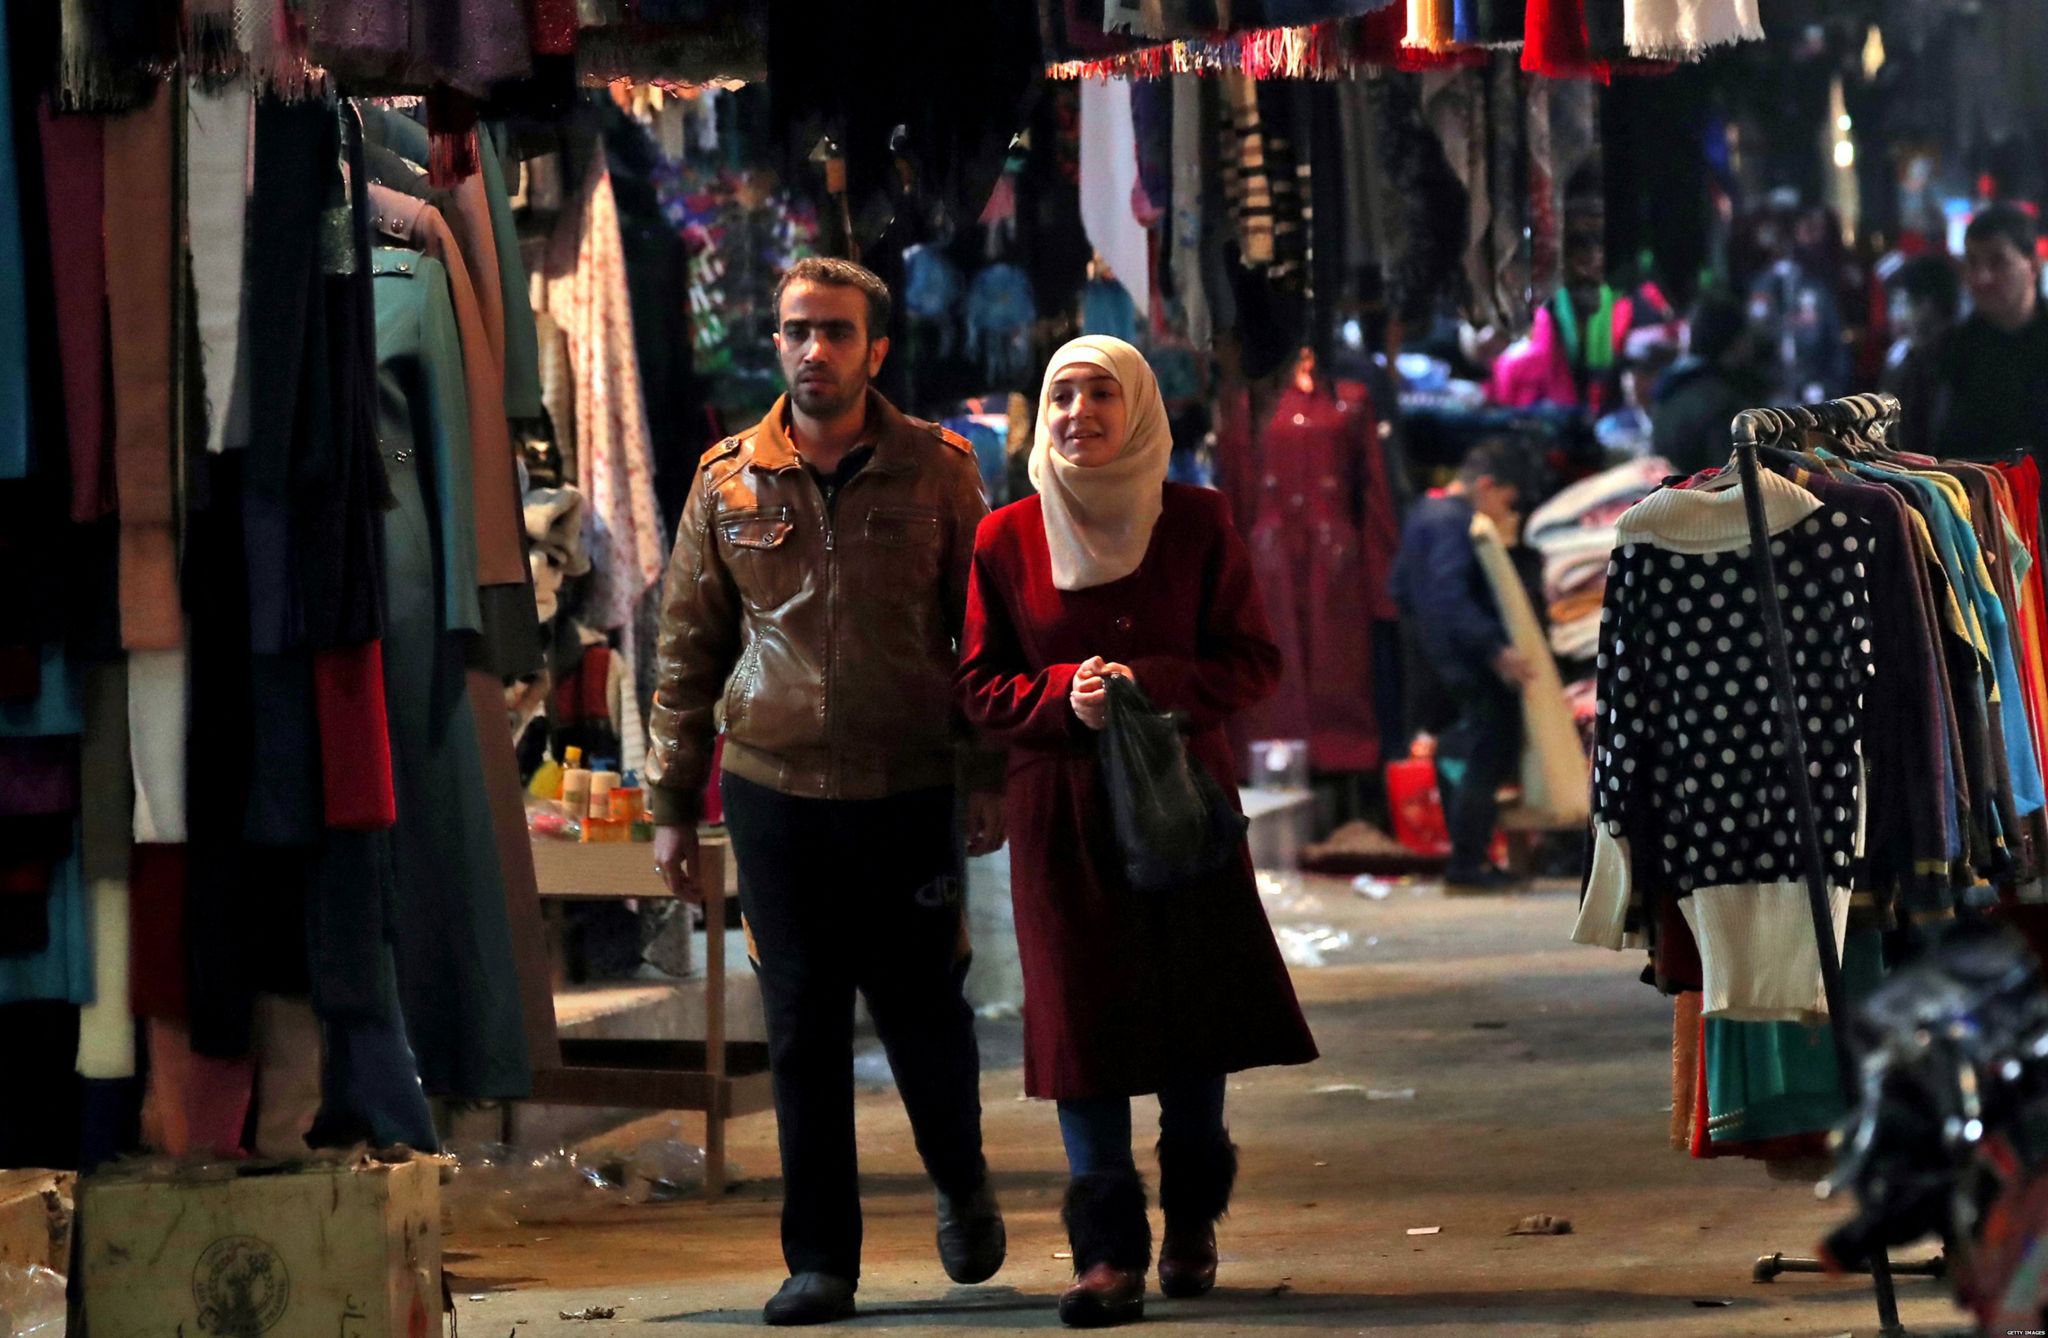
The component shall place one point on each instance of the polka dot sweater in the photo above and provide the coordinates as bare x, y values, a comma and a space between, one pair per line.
1689, 786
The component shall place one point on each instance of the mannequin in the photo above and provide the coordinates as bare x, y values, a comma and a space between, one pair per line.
1322, 540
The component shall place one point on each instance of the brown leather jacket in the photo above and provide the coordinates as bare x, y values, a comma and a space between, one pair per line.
826, 644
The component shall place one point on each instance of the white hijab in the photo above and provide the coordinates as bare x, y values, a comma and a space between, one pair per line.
1098, 521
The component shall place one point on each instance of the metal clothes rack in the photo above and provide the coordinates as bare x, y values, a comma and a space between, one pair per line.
1753, 428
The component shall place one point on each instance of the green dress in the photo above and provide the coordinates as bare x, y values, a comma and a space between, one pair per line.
450, 934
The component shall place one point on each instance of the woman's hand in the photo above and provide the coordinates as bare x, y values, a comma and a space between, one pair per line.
1090, 695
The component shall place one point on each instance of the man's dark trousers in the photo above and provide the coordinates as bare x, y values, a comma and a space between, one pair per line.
1475, 756
867, 895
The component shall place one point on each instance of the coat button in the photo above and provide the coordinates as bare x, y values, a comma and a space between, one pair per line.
1123, 623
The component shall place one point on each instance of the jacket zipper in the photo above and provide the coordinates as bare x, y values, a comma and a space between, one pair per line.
825, 510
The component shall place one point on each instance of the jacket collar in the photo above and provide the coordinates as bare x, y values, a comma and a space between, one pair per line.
894, 437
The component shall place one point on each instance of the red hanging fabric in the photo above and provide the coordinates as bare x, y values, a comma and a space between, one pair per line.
355, 738
1558, 46
553, 23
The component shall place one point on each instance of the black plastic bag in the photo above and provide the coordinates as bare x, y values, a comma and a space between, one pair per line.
1174, 824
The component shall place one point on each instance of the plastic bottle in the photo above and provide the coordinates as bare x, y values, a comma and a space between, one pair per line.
575, 784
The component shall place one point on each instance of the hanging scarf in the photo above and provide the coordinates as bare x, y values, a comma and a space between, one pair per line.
1684, 29
1098, 521
1431, 25
272, 38
211, 50
111, 52
1595, 352
1557, 44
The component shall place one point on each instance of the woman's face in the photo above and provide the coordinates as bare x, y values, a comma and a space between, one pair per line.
1087, 415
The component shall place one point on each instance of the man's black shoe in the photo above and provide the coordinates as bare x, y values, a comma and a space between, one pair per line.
972, 1241
810, 1298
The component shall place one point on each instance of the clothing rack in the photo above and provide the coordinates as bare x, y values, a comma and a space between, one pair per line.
1753, 428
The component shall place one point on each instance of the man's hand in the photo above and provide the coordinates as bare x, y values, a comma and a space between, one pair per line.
1090, 695
1514, 667
675, 859
985, 823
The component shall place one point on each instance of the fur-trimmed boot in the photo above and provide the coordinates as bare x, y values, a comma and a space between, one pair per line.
1112, 1240
1195, 1180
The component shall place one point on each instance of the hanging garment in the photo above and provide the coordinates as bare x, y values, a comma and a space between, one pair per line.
1683, 772
1508, 282
1605, 30
1557, 46
500, 549
139, 276
309, 486
217, 144
196, 1106
1544, 192
1109, 175
1685, 1062
74, 190
455, 966
1431, 25
1106, 309
157, 721
1324, 584
1455, 104
1687, 29
586, 295
479, 215
1000, 313
1499, 23
1247, 188
1185, 221
558, 387
1553, 765
106, 1026
287, 1076
468, 45
61, 968
16, 416
1425, 192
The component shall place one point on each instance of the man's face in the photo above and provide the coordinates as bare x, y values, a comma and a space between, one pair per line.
2001, 281
827, 357
1498, 502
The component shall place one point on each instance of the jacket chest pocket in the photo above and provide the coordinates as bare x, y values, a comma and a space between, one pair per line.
758, 549
900, 553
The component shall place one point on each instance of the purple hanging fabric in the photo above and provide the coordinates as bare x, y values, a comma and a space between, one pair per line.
466, 44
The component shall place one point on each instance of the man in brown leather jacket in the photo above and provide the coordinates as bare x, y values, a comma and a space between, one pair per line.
814, 604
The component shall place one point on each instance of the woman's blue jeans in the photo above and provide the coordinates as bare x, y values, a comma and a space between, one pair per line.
1097, 1129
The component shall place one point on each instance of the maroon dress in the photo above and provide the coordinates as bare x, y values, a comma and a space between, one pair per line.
1124, 992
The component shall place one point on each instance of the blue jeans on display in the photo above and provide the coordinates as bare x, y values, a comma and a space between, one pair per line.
1097, 1129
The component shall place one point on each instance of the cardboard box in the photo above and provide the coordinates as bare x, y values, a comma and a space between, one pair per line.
35, 1219
336, 1249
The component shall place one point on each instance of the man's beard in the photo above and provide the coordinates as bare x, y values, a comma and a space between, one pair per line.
823, 401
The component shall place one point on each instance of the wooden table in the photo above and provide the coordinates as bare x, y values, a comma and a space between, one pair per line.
723, 1079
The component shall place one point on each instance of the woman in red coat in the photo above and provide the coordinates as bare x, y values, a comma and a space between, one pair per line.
1111, 569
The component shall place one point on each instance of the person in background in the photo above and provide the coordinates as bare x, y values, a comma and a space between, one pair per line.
1926, 299
1460, 646
1796, 306
814, 601
1715, 380
1628, 430
1993, 381
1573, 352
1111, 570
